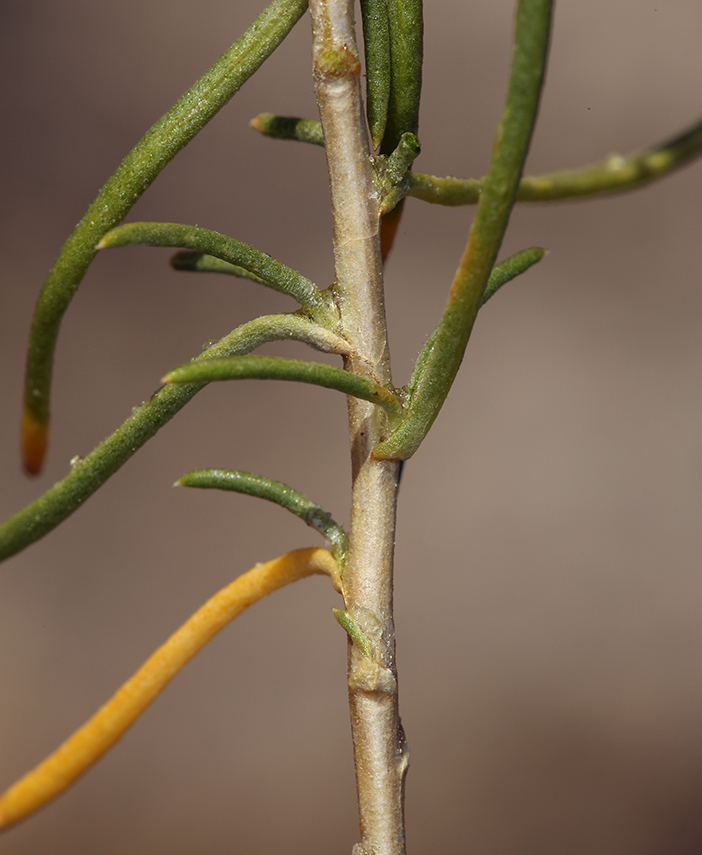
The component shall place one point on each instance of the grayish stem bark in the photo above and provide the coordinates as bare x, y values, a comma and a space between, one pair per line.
380, 753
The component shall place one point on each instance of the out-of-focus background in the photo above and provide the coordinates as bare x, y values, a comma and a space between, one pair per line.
549, 557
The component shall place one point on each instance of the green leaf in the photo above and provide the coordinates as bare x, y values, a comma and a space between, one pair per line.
400, 161
354, 631
364, 629
503, 273
376, 45
89, 473
288, 128
406, 54
270, 272
440, 365
277, 368
198, 262
273, 491
616, 173
510, 268
133, 176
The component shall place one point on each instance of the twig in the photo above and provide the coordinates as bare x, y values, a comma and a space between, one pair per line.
379, 752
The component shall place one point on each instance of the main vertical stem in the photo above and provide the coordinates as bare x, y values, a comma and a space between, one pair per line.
379, 751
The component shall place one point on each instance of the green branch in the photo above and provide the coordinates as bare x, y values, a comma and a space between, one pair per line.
133, 176
270, 272
277, 368
90, 473
273, 491
614, 174
441, 360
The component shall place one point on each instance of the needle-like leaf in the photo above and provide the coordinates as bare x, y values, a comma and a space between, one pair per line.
510, 268
288, 128
278, 368
90, 473
376, 46
270, 272
617, 173
100, 733
272, 491
440, 364
503, 273
198, 262
133, 176
406, 27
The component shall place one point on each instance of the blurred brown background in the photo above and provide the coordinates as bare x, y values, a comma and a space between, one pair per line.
549, 590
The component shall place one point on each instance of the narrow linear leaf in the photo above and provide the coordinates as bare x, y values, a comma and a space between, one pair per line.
406, 25
90, 473
270, 272
510, 268
101, 732
354, 631
272, 491
503, 273
406, 57
134, 175
198, 262
365, 630
448, 191
288, 128
278, 368
440, 365
400, 161
392, 188
376, 45
616, 173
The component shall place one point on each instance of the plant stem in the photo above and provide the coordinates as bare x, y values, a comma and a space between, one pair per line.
379, 753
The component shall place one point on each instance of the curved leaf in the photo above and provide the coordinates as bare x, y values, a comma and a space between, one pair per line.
272, 491
100, 733
441, 363
278, 368
616, 173
90, 473
269, 271
133, 176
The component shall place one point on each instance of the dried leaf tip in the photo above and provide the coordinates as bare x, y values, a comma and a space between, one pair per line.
34, 441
